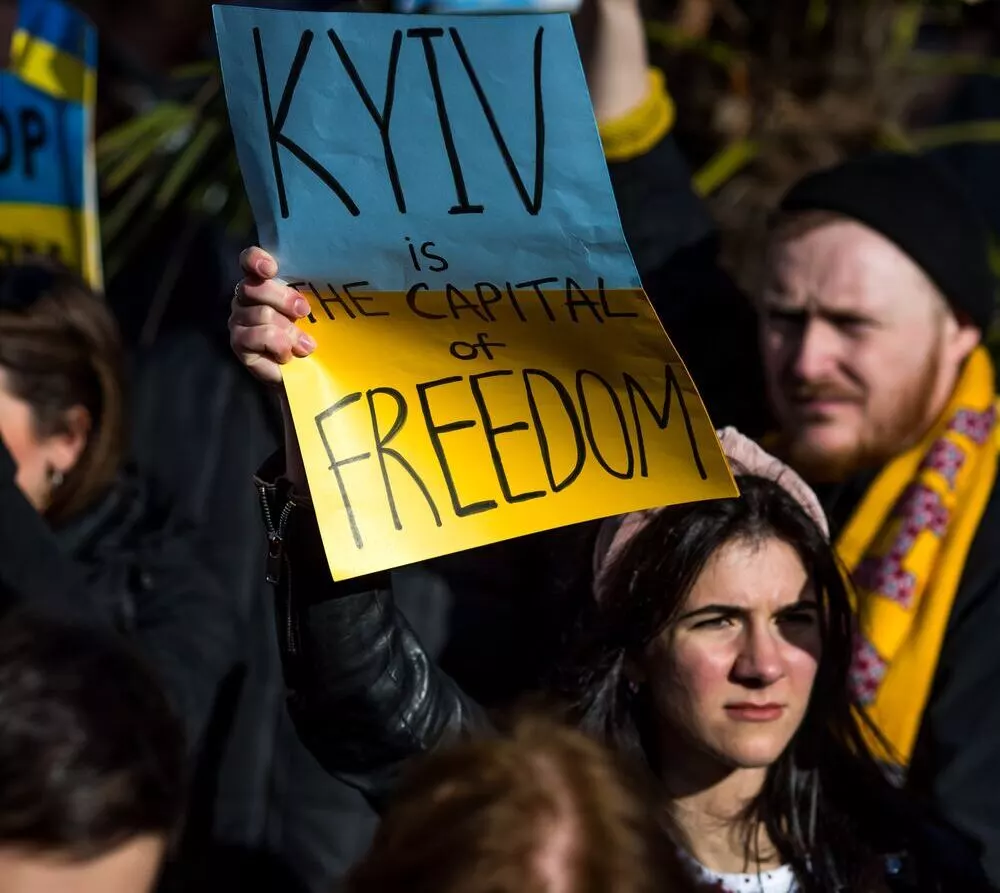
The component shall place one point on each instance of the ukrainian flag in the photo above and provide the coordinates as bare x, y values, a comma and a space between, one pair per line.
48, 181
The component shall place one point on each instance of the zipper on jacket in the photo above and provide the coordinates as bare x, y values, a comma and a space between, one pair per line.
275, 554
275, 536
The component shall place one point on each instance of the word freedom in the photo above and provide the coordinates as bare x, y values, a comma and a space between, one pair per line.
577, 400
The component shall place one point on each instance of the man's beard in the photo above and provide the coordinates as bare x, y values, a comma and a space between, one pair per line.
879, 440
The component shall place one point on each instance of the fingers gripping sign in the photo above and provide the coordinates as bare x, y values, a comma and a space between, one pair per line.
262, 322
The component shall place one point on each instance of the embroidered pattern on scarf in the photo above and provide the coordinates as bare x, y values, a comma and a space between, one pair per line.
887, 570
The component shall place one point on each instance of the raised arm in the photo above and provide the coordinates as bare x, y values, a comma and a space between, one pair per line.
613, 47
660, 213
362, 691
667, 225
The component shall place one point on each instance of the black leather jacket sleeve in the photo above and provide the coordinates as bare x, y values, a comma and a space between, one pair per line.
363, 693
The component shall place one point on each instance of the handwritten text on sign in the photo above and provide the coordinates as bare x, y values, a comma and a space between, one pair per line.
487, 364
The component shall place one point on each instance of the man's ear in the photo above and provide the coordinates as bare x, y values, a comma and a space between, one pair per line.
962, 335
966, 339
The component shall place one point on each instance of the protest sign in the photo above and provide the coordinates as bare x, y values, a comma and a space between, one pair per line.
487, 363
48, 191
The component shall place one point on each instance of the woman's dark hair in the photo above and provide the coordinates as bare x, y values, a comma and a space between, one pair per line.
91, 754
810, 800
60, 348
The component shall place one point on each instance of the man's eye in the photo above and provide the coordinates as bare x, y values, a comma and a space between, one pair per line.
785, 317
854, 327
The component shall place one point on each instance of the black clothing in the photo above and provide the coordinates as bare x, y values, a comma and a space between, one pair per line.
33, 567
364, 694
958, 745
273, 818
123, 564
135, 560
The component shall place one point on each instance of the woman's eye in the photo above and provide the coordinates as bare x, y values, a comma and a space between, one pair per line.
799, 618
714, 623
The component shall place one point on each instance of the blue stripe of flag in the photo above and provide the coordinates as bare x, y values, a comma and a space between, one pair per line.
60, 25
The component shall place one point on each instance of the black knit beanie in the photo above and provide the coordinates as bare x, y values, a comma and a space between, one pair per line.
920, 206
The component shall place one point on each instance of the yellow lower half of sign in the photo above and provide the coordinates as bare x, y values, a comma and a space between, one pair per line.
430, 424
66, 235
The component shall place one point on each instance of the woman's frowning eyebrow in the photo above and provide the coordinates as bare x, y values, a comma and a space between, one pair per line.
801, 605
726, 610
741, 611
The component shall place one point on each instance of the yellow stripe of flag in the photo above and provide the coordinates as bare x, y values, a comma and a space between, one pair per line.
52, 231
51, 70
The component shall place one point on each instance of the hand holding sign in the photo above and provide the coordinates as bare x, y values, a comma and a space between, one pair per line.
262, 324
487, 364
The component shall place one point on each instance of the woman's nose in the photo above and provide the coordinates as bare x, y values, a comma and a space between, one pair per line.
759, 661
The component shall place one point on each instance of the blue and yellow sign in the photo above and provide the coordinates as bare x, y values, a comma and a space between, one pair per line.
487, 364
48, 184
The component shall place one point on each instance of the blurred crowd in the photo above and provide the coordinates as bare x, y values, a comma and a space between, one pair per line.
792, 690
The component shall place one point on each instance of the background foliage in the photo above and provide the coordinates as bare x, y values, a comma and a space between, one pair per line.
766, 90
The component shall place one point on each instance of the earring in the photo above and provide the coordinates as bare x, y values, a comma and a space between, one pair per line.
633, 687
56, 478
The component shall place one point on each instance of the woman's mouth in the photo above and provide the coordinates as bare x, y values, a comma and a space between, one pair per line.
755, 712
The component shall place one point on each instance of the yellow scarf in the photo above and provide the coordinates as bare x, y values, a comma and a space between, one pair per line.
906, 546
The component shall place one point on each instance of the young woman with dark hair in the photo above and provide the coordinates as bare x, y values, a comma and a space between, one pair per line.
716, 657
714, 654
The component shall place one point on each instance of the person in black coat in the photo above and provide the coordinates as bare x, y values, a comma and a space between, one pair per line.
83, 538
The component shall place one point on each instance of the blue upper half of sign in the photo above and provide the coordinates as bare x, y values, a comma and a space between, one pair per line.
361, 135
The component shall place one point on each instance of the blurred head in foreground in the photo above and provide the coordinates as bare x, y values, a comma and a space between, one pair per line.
542, 810
91, 763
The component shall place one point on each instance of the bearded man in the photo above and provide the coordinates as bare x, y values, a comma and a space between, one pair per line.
871, 321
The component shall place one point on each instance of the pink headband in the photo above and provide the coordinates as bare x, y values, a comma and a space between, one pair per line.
745, 457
